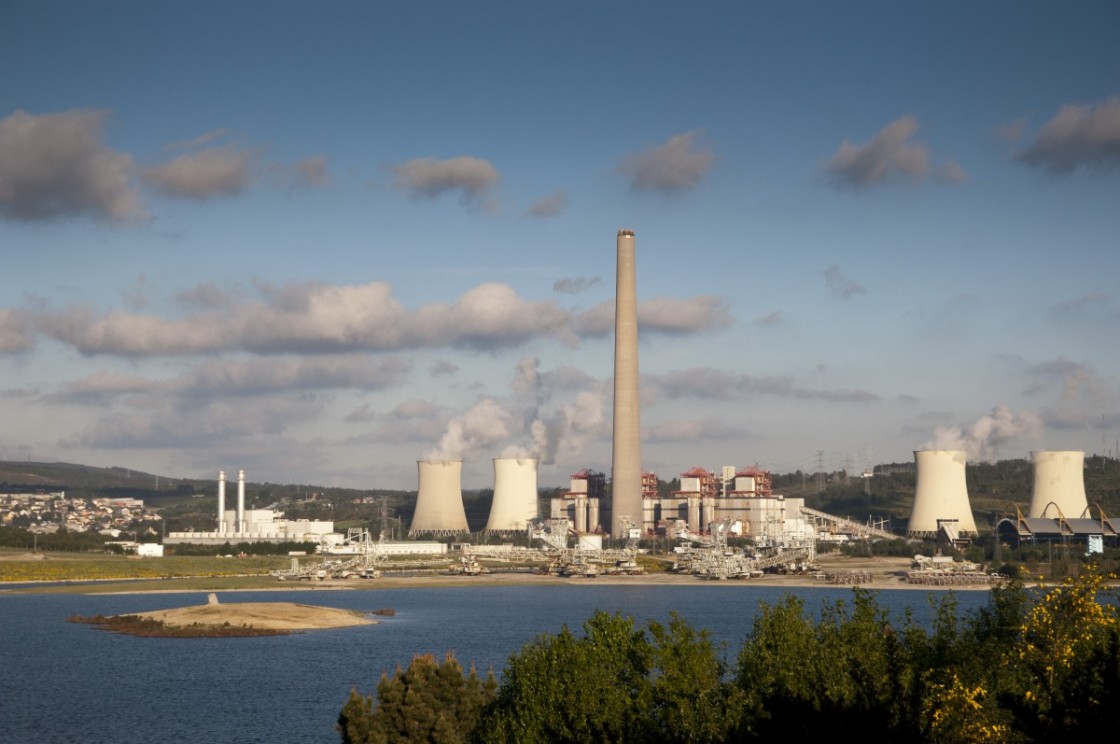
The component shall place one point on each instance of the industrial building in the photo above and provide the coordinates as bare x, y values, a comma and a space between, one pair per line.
583, 503
253, 525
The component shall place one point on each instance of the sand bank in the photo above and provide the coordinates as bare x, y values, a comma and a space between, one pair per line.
262, 615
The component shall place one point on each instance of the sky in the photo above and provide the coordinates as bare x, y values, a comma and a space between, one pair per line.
322, 241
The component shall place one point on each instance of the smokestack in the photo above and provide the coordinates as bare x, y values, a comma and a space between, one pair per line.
221, 502
626, 468
515, 494
241, 501
1059, 478
439, 499
941, 494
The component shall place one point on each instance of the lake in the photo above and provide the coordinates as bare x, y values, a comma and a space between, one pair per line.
69, 682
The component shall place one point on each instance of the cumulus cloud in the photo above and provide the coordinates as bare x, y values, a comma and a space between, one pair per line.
670, 168
1076, 137
314, 318
548, 206
841, 285
951, 172
360, 415
428, 178
713, 384
313, 171
214, 171
575, 285
772, 318
888, 156
669, 316
15, 332
55, 165
982, 439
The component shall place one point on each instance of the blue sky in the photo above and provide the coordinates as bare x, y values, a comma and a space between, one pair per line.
321, 241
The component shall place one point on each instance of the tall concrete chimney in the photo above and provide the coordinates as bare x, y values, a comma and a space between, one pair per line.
221, 502
626, 468
240, 501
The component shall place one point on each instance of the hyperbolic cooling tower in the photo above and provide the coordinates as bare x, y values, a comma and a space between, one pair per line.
515, 494
626, 468
439, 502
1059, 477
941, 494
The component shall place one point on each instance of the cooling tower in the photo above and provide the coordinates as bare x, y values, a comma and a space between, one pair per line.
515, 494
1059, 477
941, 494
626, 468
439, 502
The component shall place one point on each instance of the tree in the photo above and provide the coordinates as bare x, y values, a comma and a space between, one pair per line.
428, 702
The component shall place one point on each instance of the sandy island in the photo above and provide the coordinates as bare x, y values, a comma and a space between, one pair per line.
287, 616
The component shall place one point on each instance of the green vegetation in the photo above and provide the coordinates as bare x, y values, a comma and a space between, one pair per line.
1031, 666
149, 628
84, 567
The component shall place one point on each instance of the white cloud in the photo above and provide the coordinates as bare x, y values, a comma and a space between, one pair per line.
55, 165
548, 206
215, 171
428, 178
888, 156
714, 384
670, 168
660, 315
1078, 137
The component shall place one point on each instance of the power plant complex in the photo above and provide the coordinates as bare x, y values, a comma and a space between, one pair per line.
708, 506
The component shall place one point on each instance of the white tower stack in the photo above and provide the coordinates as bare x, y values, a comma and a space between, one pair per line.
1059, 478
221, 502
439, 501
941, 494
626, 467
240, 529
515, 494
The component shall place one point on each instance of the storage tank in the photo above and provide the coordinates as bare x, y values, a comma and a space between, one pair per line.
439, 500
1059, 477
515, 494
941, 494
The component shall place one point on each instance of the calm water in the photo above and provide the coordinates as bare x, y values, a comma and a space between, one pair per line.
67, 682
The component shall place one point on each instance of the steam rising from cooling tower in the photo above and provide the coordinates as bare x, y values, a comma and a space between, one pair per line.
515, 494
1059, 478
626, 469
982, 439
439, 501
941, 495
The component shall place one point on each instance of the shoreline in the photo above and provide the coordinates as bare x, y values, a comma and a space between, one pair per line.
887, 574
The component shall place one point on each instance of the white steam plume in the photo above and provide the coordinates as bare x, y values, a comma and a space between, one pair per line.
982, 439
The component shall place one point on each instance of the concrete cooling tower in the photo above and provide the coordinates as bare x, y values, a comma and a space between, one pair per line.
439, 502
1059, 478
941, 495
515, 494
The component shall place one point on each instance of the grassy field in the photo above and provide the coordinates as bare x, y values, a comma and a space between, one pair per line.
96, 567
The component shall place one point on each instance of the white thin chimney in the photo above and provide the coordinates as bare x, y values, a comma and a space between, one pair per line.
241, 501
221, 502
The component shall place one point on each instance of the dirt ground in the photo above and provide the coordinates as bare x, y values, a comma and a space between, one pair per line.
263, 615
